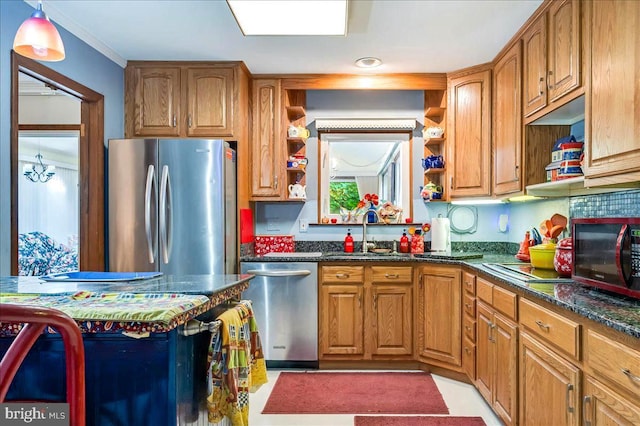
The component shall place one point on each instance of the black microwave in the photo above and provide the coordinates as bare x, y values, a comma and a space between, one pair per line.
606, 254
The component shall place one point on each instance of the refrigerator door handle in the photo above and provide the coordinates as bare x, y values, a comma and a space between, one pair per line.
151, 177
166, 230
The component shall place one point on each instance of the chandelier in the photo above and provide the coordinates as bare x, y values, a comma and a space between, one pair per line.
38, 172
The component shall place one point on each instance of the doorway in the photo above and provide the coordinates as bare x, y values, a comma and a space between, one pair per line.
90, 168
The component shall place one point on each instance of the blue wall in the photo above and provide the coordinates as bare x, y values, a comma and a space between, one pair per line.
82, 64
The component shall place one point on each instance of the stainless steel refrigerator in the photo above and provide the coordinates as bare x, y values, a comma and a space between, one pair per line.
172, 206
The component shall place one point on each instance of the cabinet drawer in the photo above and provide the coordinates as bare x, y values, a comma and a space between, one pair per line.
343, 274
469, 327
613, 361
469, 283
387, 274
469, 358
551, 327
484, 290
469, 305
505, 302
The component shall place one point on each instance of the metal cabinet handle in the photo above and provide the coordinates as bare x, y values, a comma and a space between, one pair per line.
466, 327
467, 350
275, 182
540, 85
491, 327
342, 275
586, 401
569, 389
467, 305
392, 276
542, 325
175, 122
189, 121
420, 282
549, 74
375, 301
630, 375
359, 300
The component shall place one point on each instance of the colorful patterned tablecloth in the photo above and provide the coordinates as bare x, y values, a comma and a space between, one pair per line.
97, 312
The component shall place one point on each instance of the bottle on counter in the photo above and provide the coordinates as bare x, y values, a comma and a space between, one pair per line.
348, 242
417, 242
404, 242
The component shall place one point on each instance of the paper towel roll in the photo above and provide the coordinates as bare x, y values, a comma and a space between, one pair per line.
440, 234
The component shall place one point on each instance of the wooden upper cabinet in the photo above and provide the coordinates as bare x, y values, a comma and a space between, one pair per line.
470, 134
564, 60
266, 164
507, 122
209, 101
552, 56
184, 99
535, 66
153, 98
612, 115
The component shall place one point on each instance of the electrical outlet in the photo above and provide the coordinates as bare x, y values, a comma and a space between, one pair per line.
304, 225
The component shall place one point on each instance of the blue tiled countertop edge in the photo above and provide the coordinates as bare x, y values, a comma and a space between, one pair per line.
475, 263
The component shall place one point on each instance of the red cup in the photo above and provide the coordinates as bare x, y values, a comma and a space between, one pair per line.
408, 220
334, 220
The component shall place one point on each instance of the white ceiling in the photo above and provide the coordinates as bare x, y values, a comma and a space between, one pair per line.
410, 36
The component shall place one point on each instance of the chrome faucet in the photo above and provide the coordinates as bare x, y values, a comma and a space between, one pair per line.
364, 234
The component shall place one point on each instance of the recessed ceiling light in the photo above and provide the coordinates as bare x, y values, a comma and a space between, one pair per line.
368, 62
290, 17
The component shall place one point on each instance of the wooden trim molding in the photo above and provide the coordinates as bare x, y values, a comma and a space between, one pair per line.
433, 81
92, 203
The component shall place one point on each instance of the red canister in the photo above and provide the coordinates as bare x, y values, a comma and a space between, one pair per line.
563, 260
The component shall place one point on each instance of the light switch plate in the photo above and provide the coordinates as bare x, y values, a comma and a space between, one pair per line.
304, 225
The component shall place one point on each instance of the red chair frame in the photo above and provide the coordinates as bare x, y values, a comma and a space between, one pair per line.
35, 319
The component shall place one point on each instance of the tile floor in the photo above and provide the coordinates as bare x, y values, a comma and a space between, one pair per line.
461, 398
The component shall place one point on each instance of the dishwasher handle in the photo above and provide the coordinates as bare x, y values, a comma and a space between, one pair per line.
276, 273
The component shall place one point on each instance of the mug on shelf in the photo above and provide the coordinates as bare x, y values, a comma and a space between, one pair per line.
433, 162
433, 132
298, 132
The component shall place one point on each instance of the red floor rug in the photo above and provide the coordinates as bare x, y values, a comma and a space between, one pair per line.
417, 421
355, 393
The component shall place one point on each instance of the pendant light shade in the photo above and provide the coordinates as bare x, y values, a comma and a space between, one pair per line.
37, 38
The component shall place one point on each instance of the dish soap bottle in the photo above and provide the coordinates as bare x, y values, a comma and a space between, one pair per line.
348, 242
404, 242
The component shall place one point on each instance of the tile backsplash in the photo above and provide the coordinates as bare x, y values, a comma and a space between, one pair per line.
614, 204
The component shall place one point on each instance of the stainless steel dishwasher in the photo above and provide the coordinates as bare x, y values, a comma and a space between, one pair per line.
285, 305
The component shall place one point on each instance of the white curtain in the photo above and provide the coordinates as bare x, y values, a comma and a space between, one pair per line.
51, 207
367, 185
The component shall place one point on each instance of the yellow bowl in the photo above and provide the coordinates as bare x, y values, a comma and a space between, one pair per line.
542, 255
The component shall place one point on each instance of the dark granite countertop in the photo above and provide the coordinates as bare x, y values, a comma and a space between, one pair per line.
615, 311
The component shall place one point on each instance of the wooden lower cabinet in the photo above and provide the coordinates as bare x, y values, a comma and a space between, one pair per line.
550, 387
439, 316
602, 406
497, 362
366, 313
342, 320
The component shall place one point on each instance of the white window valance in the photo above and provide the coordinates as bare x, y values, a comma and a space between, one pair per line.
366, 124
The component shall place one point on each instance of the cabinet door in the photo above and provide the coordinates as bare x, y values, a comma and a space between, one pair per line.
156, 101
549, 386
507, 122
535, 66
439, 315
564, 63
266, 162
612, 114
505, 389
341, 320
470, 134
603, 406
210, 101
390, 319
484, 351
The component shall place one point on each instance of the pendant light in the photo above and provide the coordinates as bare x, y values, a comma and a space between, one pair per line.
37, 38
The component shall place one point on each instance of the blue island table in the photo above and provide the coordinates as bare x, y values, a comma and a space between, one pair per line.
140, 368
